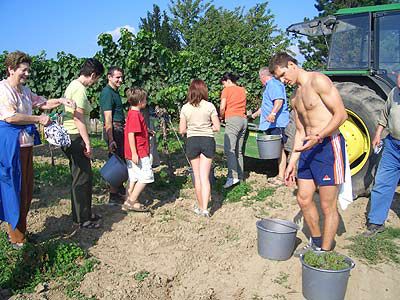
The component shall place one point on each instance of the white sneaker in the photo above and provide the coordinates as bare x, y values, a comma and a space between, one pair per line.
197, 210
205, 213
230, 182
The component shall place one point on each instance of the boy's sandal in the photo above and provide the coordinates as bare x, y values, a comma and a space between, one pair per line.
89, 225
17, 246
128, 206
95, 217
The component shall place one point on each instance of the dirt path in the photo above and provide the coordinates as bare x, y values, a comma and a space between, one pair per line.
173, 254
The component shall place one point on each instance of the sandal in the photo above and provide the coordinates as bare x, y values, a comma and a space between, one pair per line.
128, 206
17, 246
95, 217
89, 225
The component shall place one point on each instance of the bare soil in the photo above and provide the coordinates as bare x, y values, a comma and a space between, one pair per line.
189, 257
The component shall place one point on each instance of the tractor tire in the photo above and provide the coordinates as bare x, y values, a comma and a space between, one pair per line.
364, 104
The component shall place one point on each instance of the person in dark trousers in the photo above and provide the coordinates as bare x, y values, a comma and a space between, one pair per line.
113, 116
79, 153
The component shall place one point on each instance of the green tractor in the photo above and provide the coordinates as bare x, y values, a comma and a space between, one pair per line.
364, 59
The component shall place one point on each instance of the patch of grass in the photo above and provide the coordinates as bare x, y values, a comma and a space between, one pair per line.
22, 270
279, 296
231, 234
274, 203
163, 181
98, 181
47, 175
282, 279
166, 216
326, 261
142, 275
263, 194
237, 192
381, 248
97, 142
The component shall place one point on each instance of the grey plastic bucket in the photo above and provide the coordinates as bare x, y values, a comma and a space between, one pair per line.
269, 146
114, 171
211, 177
325, 284
276, 238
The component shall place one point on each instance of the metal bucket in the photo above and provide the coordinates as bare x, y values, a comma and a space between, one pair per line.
114, 171
325, 284
269, 146
276, 238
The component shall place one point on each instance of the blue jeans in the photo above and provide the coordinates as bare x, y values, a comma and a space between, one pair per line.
386, 180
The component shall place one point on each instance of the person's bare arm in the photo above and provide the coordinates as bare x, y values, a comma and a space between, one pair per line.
79, 119
132, 145
331, 98
112, 145
53, 103
216, 125
182, 125
256, 113
291, 170
23, 119
275, 109
222, 108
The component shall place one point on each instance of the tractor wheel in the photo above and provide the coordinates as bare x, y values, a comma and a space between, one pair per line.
363, 107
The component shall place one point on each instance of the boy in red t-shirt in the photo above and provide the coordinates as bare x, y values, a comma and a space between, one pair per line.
137, 150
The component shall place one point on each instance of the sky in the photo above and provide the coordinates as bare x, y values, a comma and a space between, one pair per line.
73, 26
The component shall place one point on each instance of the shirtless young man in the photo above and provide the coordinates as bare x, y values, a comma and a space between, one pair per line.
318, 148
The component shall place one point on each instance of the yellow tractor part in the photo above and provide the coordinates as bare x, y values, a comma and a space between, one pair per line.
358, 142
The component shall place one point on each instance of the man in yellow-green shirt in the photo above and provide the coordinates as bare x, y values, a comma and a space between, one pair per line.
79, 152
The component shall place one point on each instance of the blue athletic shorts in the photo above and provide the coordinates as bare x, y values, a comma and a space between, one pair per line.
324, 163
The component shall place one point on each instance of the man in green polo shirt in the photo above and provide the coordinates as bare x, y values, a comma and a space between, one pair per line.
114, 120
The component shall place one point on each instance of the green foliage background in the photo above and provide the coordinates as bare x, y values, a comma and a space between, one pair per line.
208, 49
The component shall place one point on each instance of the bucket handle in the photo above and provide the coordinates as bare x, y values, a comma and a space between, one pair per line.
273, 221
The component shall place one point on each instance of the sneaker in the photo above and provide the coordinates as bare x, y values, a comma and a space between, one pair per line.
373, 229
205, 213
231, 182
115, 199
309, 247
197, 210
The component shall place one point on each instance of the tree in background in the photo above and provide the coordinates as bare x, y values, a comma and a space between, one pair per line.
185, 14
162, 29
314, 49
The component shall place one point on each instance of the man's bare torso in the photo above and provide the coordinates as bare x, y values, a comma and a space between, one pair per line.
311, 110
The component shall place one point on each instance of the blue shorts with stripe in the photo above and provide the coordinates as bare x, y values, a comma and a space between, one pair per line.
324, 163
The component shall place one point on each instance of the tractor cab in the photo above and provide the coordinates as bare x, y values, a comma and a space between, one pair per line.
365, 39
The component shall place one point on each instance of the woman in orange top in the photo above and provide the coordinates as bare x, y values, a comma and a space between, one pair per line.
233, 110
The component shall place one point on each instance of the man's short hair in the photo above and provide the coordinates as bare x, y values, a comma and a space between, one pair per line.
264, 72
90, 66
280, 60
135, 95
14, 59
112, 69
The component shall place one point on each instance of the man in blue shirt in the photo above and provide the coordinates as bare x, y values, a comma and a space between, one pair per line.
274, 115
